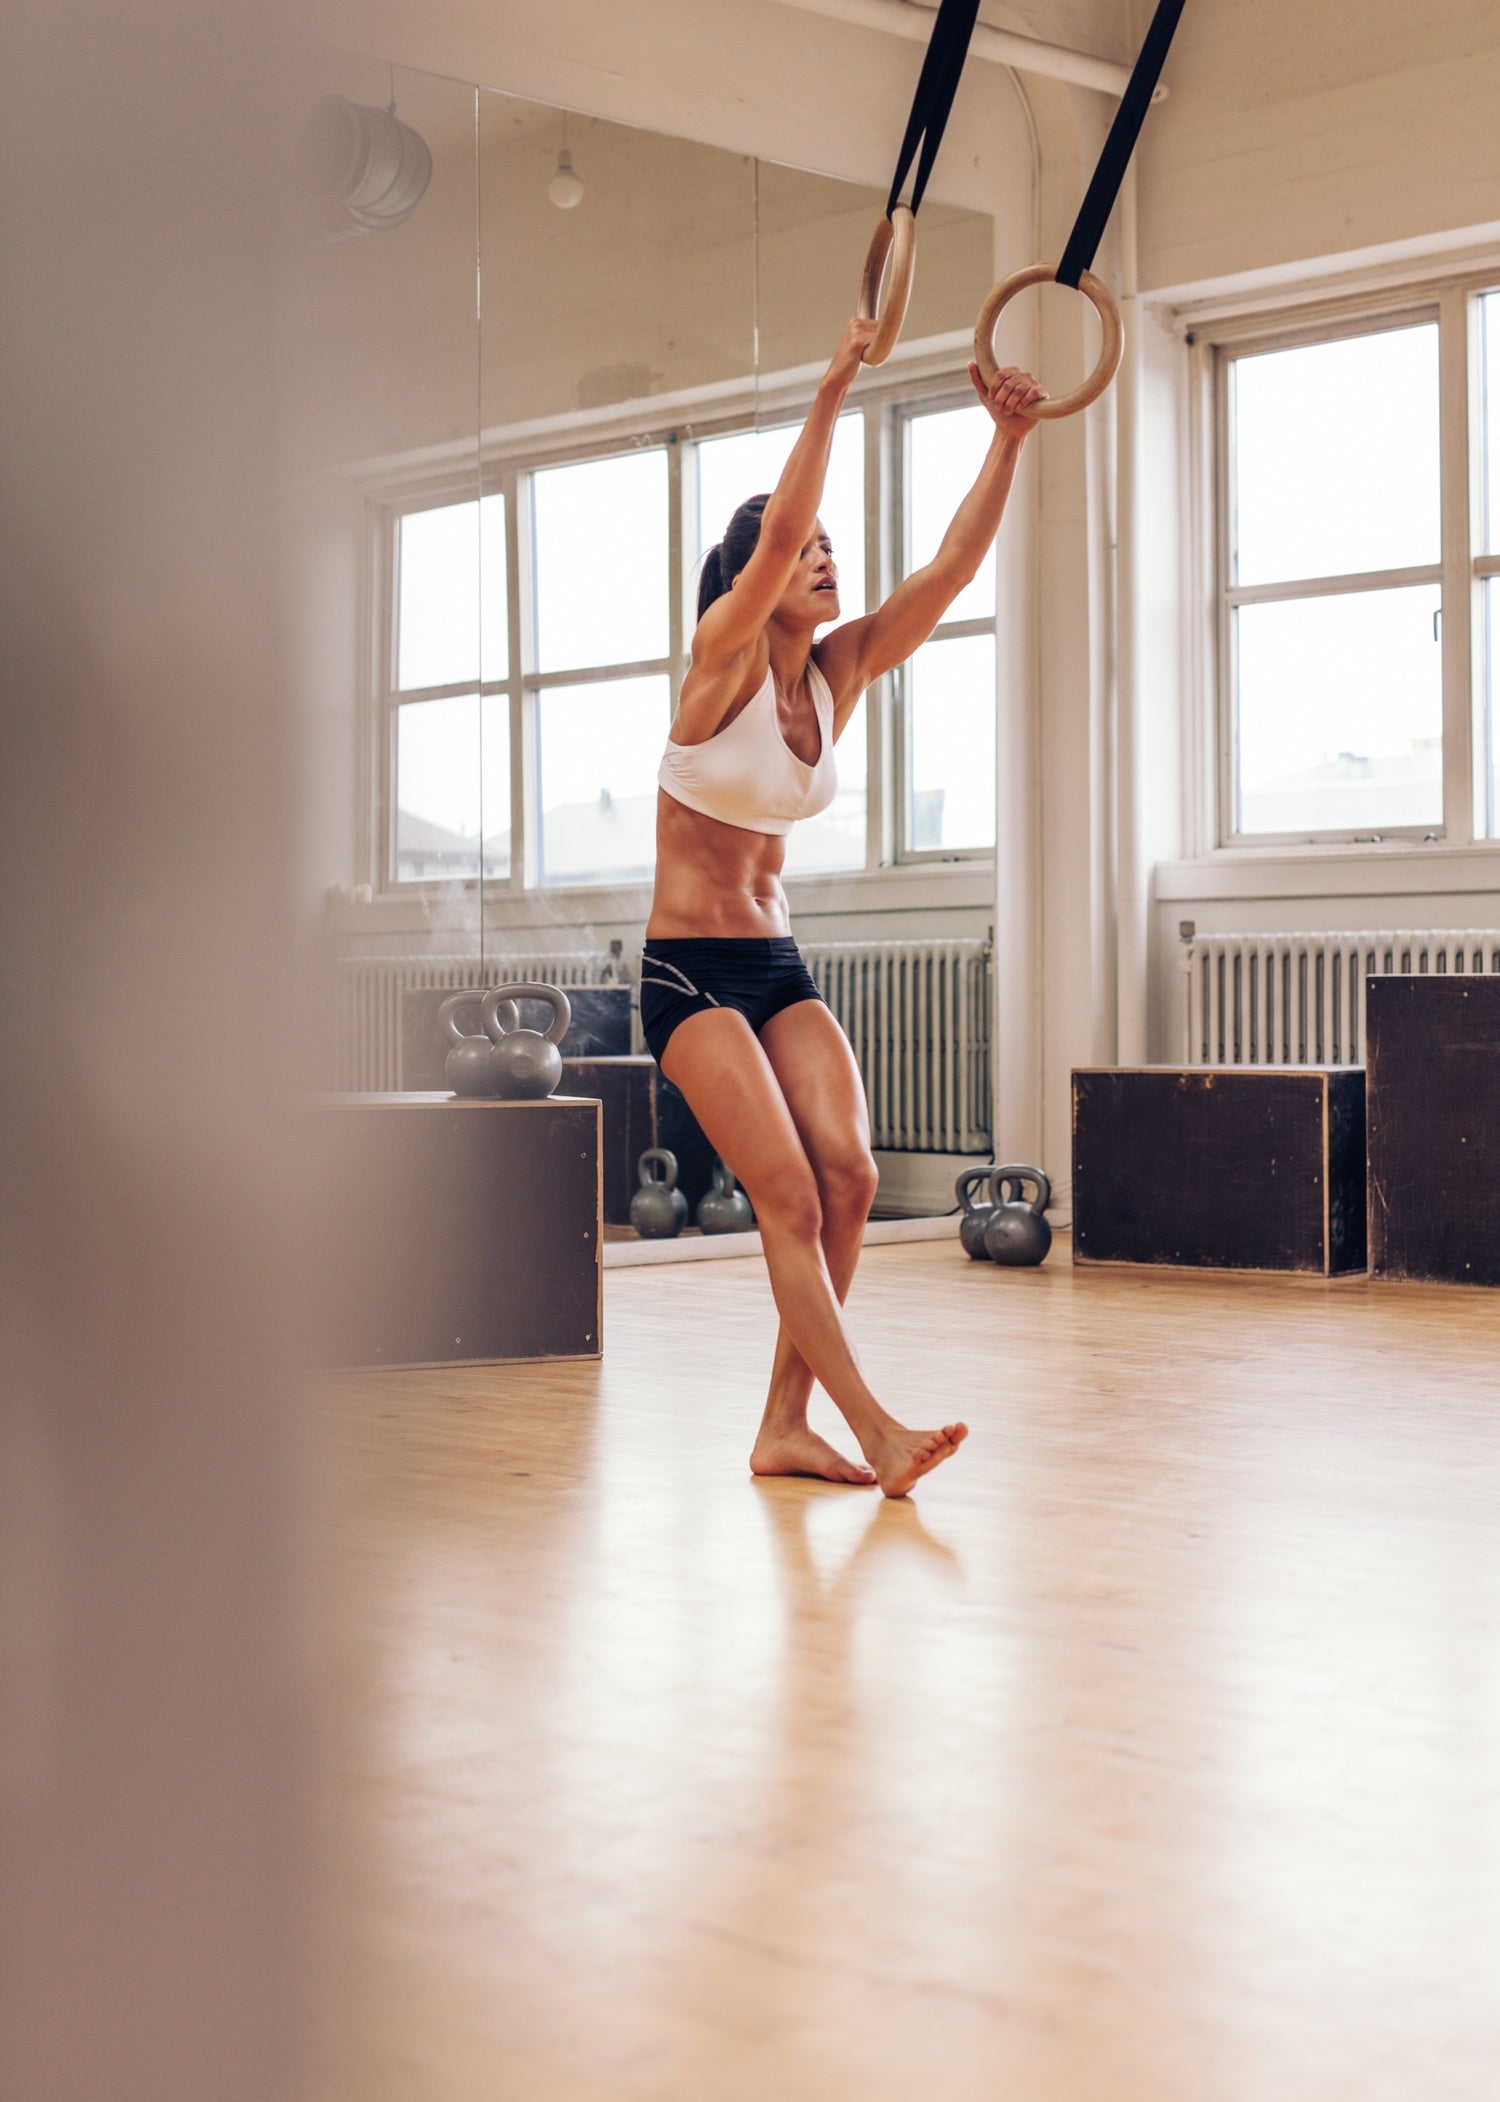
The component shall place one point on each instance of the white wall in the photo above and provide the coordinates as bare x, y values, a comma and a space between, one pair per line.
752, 78
647, 288
1296, 132
1296, 144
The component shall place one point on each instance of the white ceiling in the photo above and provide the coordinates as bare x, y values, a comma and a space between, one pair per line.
1103, 28
444, 111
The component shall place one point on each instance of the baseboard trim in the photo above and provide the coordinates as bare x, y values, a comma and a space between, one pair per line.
715, 1247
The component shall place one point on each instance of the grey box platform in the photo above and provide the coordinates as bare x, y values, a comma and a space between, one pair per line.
463, 1231
1433, 1046
1220, 1167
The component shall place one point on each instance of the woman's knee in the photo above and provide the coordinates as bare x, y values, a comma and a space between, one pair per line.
788, 1202
848, 1182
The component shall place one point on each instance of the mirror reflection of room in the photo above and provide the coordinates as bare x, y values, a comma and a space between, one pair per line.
535, 484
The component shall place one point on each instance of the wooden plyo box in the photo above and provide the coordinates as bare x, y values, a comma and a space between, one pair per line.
1433, 1050
641, 1109
462, 1231
1223, 1168
625, 1089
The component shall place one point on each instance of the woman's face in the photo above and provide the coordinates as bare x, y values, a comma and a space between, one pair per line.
813, 593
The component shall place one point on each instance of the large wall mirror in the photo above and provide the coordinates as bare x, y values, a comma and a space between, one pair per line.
554, 353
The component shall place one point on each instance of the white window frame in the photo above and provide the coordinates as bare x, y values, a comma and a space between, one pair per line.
885, 410
904, 411
1468, 820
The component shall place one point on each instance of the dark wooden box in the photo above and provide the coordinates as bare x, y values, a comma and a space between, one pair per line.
1433, 1051
625, 1089
1233, 1168
641, 1109
462, 1231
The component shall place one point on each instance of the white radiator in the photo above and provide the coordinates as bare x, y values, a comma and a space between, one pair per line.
918, 1017
1299, 999
916, 1013
370, 990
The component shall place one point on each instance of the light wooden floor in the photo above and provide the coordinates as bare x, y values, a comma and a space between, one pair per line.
1151, 1751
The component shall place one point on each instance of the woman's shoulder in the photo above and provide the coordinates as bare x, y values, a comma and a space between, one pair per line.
835, 660
711, 696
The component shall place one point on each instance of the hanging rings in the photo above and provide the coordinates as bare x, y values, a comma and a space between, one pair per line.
1109, 355
895, 239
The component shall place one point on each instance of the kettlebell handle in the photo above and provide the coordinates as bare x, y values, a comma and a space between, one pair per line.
667, 1180
507, 995
472, 995
723, 1178
1002, 1178
970, 1179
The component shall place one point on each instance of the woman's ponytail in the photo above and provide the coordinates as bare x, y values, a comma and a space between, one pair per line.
722, 564
711, 583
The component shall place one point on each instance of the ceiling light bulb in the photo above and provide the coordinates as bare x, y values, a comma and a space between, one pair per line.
565, 189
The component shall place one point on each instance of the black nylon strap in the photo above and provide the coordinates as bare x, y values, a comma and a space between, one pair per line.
937, 84
1093, 215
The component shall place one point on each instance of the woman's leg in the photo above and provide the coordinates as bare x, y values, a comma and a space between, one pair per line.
821, 1083
733, 1091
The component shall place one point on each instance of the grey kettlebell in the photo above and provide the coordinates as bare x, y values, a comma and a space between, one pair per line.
658, 1210
1016, 1232
976, 1216
525, 1065
724, 1209
467, 1068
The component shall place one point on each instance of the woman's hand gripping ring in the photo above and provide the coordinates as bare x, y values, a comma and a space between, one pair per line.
1109, 356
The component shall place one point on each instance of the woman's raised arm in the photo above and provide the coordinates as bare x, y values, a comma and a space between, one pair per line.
735, 620
860, 651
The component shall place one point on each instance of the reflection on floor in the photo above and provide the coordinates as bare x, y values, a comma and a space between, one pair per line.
1148, 1752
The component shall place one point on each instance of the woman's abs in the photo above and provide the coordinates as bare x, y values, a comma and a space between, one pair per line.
714, 879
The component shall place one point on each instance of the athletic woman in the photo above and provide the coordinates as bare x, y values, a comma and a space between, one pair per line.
729, 1010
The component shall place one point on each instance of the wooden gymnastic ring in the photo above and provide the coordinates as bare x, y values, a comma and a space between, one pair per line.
1109, 355
900, 231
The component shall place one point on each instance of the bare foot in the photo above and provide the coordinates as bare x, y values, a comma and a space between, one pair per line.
901, 1457
804, 1452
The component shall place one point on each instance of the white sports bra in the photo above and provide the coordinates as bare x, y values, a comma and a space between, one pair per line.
747, 774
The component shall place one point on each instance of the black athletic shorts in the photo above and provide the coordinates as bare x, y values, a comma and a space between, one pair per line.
755, 975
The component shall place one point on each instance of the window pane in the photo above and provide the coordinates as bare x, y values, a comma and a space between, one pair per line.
600, 551
836, 838
945, 453
1340, 713
1336, 457
452, 785
599, 750
748, 462
951, 800
442, 555
1489, 312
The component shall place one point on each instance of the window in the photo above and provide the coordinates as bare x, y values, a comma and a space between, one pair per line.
1487, 567
601, 575
947, 737
599, 747
448, 747
1348, 635
538, 636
